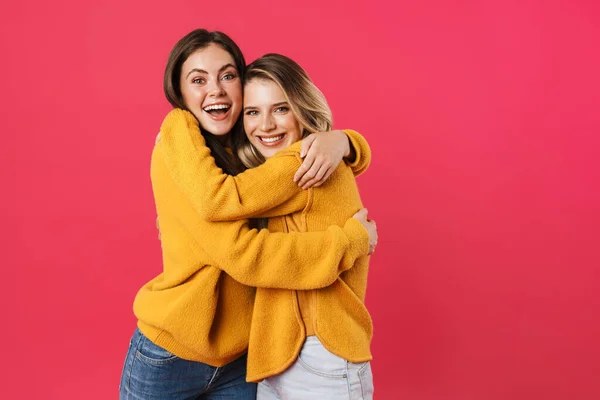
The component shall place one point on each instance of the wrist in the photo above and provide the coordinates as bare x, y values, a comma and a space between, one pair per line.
358, 236
347, 144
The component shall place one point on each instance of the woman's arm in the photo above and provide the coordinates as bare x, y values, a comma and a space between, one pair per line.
299, 261
265, 191
323, 151
361, 152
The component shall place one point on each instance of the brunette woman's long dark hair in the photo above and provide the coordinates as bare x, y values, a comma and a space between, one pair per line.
196, 40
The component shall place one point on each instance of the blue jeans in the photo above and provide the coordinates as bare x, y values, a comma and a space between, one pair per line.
151, 372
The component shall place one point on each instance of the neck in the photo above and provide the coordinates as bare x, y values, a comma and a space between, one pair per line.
222, 139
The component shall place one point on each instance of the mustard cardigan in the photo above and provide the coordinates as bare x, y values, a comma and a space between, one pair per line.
277, 333
200, 306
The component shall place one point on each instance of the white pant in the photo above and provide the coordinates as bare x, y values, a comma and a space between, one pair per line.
321, 375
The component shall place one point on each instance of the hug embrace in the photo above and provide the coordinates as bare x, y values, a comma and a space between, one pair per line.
264, 237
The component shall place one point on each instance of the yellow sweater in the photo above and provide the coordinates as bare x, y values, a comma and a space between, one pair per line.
338, 314
200, 306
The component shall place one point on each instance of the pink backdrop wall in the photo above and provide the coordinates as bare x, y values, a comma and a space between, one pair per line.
483, 119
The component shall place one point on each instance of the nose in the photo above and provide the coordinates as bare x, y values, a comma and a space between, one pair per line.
215, 88
267, 123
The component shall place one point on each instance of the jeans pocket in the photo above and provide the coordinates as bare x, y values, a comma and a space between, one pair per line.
126, 365
315, 358
338, 373
365, 376
152, 354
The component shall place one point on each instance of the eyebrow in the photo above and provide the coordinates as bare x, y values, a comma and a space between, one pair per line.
223, 68
281, 103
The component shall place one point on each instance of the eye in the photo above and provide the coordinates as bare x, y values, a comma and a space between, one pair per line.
198, 80
282, 109
252, 112
229, 76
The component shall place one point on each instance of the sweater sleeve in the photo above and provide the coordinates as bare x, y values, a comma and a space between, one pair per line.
298, 261
362, 150
265, 191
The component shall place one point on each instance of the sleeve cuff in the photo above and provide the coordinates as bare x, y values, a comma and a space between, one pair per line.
359, 243
354, 144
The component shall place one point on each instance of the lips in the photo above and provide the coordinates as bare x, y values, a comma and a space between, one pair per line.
217, 111
273, 140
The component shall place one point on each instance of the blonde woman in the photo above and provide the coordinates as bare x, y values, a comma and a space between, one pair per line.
304, 344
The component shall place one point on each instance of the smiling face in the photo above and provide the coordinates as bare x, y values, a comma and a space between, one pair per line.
211, 88
269, 122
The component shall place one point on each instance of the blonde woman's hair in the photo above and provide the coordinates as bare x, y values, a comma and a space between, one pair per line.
306, 100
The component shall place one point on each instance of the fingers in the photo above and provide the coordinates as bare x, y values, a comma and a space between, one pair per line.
372, 247
374, 225
317, 179
306, 144
325, 177
310, 174
371, 250
304, 168
362, 213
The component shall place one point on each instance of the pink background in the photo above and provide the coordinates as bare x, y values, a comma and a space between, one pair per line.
484, 123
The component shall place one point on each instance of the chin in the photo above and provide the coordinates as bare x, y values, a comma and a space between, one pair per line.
268, 153
220, 133
218, 130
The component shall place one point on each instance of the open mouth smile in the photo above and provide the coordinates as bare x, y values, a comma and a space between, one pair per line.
217, 111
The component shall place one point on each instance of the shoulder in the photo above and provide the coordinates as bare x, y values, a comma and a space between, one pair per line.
293, 150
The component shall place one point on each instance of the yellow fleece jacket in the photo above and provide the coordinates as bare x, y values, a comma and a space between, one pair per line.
200, 306
339, 317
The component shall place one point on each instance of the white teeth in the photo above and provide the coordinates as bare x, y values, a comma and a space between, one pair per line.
272, 139
216, 107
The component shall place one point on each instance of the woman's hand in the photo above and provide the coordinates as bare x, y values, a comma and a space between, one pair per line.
370, 226
322, 153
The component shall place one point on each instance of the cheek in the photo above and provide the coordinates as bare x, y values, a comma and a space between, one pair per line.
235, 93
249, 126
190, 96
294, 127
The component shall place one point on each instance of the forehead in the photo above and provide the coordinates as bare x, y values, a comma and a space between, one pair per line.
262, 91
210, 59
